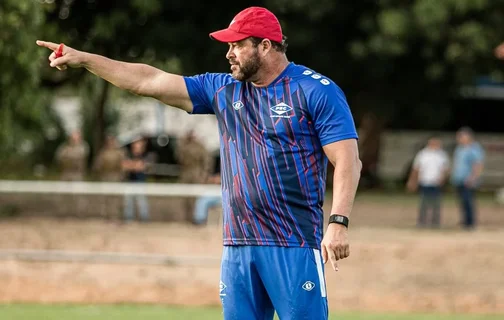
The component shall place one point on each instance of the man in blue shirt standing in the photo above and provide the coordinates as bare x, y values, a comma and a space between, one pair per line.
466, 173
280, 123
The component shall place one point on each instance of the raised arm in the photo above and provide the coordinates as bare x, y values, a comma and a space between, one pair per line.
138, 78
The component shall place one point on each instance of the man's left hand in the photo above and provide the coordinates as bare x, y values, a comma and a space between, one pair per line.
470, 182
335, 244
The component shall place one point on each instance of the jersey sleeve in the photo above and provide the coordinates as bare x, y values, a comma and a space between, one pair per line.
202, 89
331, 113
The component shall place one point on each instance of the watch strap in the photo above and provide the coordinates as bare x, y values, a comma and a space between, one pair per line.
339, 219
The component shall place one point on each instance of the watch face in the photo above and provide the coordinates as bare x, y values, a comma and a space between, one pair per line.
338, 219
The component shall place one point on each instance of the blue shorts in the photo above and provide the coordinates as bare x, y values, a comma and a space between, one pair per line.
256, 281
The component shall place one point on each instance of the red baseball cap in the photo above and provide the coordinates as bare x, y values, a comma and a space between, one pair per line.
251, 22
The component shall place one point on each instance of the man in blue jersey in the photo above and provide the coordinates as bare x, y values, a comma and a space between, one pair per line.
468, 164
279, 125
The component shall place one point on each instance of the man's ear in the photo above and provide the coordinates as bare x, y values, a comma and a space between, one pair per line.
266, 46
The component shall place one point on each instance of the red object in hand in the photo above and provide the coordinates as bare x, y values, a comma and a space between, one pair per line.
59, 52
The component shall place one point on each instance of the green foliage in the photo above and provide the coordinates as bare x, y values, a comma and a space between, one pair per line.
453, 40
432, 48
403, 59
117, 29
24, 108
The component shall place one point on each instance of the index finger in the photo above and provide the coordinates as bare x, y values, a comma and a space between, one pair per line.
332, 259
50, 45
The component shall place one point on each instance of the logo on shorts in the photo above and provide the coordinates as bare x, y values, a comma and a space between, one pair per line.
308, 286
222, 287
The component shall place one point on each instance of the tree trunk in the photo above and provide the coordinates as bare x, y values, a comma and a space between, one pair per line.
99, 134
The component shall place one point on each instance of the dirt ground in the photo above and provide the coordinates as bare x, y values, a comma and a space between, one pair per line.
392, 267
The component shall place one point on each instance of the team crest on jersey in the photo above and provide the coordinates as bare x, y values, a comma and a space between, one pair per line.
237, 105
281, 110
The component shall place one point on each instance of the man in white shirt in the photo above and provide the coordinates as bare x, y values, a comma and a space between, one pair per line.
429, 173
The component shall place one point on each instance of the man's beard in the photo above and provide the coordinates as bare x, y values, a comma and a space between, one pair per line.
248, 70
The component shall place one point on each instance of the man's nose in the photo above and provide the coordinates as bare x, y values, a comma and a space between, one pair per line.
230, 53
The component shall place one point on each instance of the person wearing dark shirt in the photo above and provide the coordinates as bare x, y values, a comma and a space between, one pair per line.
135, 167
206, 202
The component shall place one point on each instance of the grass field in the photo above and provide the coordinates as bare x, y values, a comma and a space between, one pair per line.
130, 312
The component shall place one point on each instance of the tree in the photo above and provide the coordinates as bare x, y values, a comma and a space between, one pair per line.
161, 33
111, 28
25, 116
402, 59
426, 50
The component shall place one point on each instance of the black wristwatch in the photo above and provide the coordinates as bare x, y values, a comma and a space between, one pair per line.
339, 219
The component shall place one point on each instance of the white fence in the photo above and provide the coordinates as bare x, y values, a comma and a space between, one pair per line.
109, 188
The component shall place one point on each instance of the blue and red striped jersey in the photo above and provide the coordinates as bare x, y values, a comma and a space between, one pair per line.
272, 163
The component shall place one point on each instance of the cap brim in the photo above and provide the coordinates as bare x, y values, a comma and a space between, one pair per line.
227, 35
